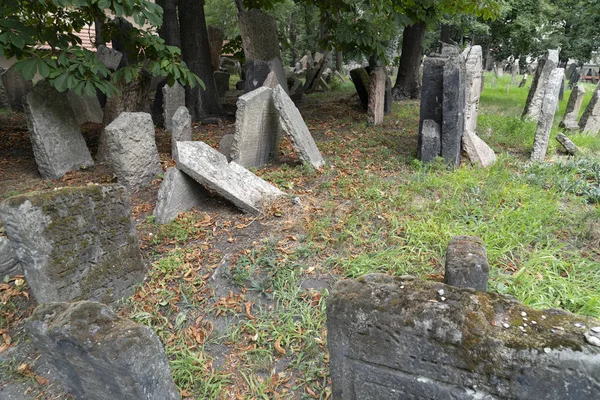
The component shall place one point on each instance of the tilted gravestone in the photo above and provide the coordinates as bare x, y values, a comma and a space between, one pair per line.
230, 180
75, 243
569, 120
178, 193
173, 98
257, 72
535, 97
546, 115
360, 78
523, 81
294, 126
467, 263
453, 105
131, 149
181, 127
314, 75
376, 96
257, 129
9, 263
590, 120
403, 338
570, 70
58, 145
86, 108
99, 355
222, 82
16, 88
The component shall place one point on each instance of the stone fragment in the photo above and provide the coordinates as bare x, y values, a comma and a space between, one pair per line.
111, 58
99, 355
430, 144
400, 338
569, 146
360, 78
225, 145
9, 263
58, 145
85, 108
173, 98
590, 120
178, 193
257, 129
271, 81
230, 180
453, 106
132, 150
467, 263
16, 88
222, 82
546, 114
215, 44
569, 120
535, 98
477, 150
376, 96
181, 129
294, 126
75, 243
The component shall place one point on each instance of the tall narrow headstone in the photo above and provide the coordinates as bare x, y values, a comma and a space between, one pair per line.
432, 94
546, 115
16, 88
453, 106
535, 98
376, 96
514, 72
86, 108
173, 98
360, 78
58, 145
569, 120
590, 120
222, 82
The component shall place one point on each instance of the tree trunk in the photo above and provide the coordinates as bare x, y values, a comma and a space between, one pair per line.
339, 60
293, 37
196, 54
169, 31
408, 85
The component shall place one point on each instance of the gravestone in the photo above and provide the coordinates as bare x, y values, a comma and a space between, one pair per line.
58, 145
16, 88
230, 180
178, 193
181, 128
257, 129
258, 70
561, 92
222, 82
432, 93
546, 115
568, 145
524, 80
314, 75
569, 120
85, 108
535, 97
271, 81
590, 120
574, 78
75, 243
99, 355
173, 98
570, 70
225, 145
215, 44
404, 338
132, 150
294, 126
514, 72
9, 263
376, 96
360, 79
467, 263
4, 103
111, 58
430, 144
453, 106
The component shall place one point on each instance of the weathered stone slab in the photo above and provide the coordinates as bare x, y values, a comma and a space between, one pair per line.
75, 243
258, 70
9, 263
294, 126
225, 145
535, 98
360, 78
111, 58
478, 151
178, 193
132, 149
181, 128
432, 91
590, 120
403, 338
515, 70
569, 120
313, 75
453, 106
85, 108
173, 98
58, 145
257, 129
16, 88
569, 146
230, 180
100, 356
271, 81
430, 144
570, 70
546, 115
574, 78
467, 263
222, 82
376, 96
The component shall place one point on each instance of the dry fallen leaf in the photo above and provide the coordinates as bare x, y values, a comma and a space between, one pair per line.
277, 345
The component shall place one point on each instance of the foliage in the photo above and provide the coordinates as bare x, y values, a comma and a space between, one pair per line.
41, 36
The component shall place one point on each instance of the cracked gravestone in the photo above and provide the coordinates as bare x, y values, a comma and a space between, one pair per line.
535, 97
546, 115
178, 193
75, 243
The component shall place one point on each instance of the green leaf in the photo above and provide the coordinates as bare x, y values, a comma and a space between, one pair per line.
28, 68
60, 83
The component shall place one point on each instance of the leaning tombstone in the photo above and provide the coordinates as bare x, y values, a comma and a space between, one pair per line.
567, 144
590, 120
574, 78
173, 98
467, 263
178, 193
376, 96
360, 79
535, 97
181, 129
222, 82
99, 355
523, 81
546, 115
453, 105
58, 145
570, 70
16, 88
569, 120
76, 243
85, 108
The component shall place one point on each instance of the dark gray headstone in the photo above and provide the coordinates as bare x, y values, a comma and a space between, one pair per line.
9, 263
360, 78
570, 70
453, 109
178, 193
590, 120
536, 94
389, 99
574, 78
100, 356
85, 108
75, 243
432, 91
430, 144
16, 88
173, 97
222, 82
257, 72
569, 120
466, 263
546, 115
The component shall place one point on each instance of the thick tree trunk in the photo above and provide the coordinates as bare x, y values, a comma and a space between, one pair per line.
196, 54
169, 31
408, 85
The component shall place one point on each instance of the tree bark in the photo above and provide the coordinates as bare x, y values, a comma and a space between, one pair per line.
169, 31
408, 85
339, 60
196, 54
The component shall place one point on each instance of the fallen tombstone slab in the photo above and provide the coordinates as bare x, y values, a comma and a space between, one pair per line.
75, 243
294, 126
467, 263
58, 145
99, 355
568, 144
546, 114
230, 180
178, 193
